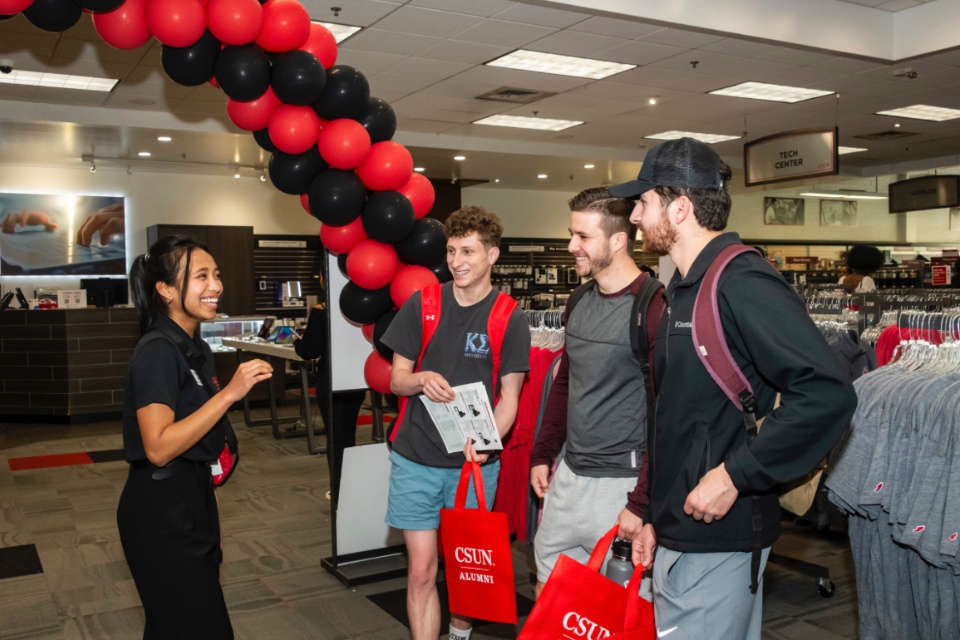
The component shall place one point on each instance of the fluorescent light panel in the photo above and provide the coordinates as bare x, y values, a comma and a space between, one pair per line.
772, 92
842, 196
844, 150
523, 122
538, 61
923, 112
58, 80
340, 31
708, 138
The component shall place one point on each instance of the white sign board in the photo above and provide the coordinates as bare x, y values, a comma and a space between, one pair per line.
792, 155
348, 347
364, 485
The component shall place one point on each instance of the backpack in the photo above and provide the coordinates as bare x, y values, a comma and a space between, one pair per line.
497, 323
639, 338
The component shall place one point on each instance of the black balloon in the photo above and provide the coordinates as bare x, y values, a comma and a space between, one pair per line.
293, 173
53, 15
342, 264
336, 197
243, 72
345, 95
380, 328
100, 6
262, 137
379, 120
442, 271
194, 65
392, 402
426, 245
298, 77
4, 17
388, 216
364, 306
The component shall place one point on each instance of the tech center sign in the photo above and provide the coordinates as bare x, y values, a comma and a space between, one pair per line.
792, 155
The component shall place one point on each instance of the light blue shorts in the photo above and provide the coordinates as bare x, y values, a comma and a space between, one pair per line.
418, 492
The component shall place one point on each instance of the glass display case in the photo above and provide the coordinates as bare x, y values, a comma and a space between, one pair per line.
214, 331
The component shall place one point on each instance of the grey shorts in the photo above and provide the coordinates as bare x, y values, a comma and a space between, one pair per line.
577, 511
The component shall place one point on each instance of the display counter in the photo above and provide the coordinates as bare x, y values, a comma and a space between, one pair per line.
65, 365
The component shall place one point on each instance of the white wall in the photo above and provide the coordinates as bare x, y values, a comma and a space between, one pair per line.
525, 214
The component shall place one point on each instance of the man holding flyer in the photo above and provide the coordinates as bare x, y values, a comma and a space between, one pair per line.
459, 333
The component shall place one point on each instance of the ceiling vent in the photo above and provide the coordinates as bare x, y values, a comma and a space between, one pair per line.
516, 96
892, 134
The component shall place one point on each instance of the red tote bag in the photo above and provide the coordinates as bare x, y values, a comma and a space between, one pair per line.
477, 556
579, 603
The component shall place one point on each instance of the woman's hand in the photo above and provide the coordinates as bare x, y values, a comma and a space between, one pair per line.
248, 374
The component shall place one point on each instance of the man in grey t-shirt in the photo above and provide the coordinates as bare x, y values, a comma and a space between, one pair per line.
598, 404
423, 476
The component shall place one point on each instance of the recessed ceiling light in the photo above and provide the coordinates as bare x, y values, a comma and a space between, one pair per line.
772, 92
652, 101
58, 80
842, 150
588, 166
923, 112
144, 154
459, 158
897, 125
524, 60
708, 138
419, 169
542, 176
523, 122
164, 138
340, 31
497, 180
237, 174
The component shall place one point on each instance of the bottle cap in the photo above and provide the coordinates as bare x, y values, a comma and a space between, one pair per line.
622, 548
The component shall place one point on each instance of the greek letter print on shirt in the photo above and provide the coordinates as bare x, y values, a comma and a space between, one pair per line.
477, 346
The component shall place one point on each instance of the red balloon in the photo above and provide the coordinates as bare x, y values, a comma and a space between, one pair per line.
376, 371
213, 82
234, 22
176, 23
344, 143
388, 167
305, 203
342, 239
13, 7
321, 44
253, 115
367, 331
420, 193
372, 264
125, 27
408, 280
286, 26
294, 129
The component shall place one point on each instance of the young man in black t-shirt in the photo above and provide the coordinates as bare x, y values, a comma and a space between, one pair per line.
424, 477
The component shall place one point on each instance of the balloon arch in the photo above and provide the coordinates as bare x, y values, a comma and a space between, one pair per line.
330, 140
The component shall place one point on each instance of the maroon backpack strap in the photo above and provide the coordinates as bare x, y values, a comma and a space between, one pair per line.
429, 320
497, 324
708, 338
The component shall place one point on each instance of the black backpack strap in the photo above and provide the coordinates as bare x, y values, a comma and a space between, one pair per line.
574, 298
650, 287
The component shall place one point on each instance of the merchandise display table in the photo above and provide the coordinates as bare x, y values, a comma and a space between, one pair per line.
274, 353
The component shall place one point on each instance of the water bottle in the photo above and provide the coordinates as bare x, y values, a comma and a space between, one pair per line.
620, 567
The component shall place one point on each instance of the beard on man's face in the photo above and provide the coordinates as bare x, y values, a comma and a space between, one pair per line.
660, 238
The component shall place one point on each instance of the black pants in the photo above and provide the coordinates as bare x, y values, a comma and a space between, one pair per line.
170, 531
343, 424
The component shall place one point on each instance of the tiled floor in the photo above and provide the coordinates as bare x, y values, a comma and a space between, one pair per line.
276, 530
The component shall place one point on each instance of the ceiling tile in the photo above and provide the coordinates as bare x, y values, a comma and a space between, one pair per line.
441, 115
753, 69
571, 43
742, 48
682, 38
561, 111
504, 34
951, 58
369, 62
466, 52
640, 53
847, 65
542, 16
706, 62
483, 8
668, 79
207, 93
457, 89
473, 106
379, 41
615, 28
520, 79
140, 102
796, 57
427, 22
36, 48
382, 83
360, 13
809, 77
146, 81
200, 108
427, 68
415, 125
72, 48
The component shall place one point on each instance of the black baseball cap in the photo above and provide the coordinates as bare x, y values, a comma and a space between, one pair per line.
683, 163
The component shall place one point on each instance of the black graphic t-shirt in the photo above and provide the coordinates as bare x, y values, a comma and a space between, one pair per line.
460, 352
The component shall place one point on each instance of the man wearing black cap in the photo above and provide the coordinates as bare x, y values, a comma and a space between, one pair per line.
713, 507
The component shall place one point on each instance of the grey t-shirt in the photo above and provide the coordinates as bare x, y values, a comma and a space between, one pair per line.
460, 352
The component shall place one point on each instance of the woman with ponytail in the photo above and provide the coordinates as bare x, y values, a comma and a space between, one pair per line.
179, 443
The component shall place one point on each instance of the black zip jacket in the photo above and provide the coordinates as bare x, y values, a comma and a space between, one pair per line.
779, 349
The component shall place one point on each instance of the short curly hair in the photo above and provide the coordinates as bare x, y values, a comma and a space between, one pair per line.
470, 219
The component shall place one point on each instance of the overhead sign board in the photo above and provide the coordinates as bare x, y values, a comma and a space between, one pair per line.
928, 192
792, 155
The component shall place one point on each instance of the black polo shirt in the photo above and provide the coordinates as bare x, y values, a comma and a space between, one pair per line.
169, 367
